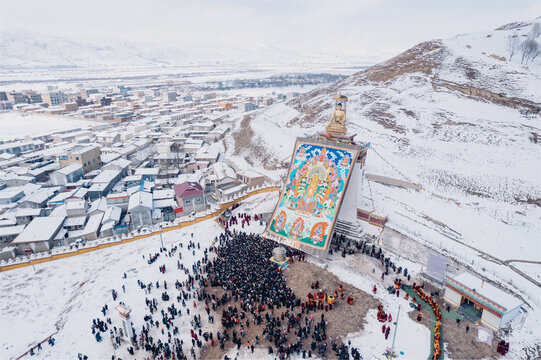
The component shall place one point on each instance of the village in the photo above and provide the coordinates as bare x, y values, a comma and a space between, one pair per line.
153, 155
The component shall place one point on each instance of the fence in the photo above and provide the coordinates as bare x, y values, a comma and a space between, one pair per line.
102, 243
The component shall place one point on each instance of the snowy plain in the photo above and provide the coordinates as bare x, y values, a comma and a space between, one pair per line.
18, 125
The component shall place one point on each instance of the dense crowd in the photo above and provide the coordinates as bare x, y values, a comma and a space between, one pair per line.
256, 294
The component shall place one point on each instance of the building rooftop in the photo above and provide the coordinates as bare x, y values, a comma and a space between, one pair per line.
82, 149
188, 189
93, 223
11, 230
478, 286
140, 198
66, 170
105, 177
40, 229
250, 174
164, 194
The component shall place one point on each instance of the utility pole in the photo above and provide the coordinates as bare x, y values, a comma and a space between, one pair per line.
161, 239
394, 335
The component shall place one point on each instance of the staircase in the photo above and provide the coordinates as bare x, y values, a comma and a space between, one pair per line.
350, 230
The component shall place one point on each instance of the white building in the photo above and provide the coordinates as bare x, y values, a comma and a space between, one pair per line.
140, 209
496, 306
68, 174
39, 234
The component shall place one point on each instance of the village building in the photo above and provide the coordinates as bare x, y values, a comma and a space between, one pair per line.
140, 209
480, 301
190, 198
251, 178
38, 235
68, 174
89, 157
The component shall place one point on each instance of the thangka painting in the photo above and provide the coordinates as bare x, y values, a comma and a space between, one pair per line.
311, 198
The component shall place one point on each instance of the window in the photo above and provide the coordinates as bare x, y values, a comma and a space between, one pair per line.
187, 202
76, 158
198, 200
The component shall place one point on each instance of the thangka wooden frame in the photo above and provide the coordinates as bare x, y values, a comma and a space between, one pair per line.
312, 195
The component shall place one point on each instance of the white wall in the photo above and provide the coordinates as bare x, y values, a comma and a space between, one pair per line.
452, 296
490, 319
510, 316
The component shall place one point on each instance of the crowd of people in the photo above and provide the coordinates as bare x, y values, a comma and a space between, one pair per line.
235, 279
255, 293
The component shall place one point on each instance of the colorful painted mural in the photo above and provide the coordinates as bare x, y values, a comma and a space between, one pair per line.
311, 198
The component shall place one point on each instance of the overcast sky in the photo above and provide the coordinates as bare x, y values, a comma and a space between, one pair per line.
379, 28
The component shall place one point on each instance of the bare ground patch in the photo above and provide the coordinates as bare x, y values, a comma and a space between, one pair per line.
342, 320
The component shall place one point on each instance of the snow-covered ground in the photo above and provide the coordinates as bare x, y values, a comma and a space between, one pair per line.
470, 149
18, 125
67, 294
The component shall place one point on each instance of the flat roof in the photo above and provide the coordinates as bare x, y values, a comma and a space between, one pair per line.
75, 221
40, 229
249, 174
486, 290
164, 194
83, 149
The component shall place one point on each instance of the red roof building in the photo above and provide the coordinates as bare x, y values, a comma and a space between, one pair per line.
190, 197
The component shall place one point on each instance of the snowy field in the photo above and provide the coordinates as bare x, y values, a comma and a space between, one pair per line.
16, 125
65, 295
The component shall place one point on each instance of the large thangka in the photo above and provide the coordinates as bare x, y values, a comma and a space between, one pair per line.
311, 198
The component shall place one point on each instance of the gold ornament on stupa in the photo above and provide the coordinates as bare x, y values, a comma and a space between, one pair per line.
337, 125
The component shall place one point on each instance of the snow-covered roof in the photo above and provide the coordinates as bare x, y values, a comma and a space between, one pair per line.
59, 211
75, 221
164, 194
93, 223
249, 174
234, 190
133, 178
75, 205
112, 215
121, 163
10, 193
40, 196
119, 195
78, 193
19, 212
71, 168
40, 229
106, 176
140, 198
60, 197
99, 204
160, 204
109, 158
477, 285
11, 230
147, 171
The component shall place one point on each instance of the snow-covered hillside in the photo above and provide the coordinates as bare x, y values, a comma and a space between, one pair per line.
462, 123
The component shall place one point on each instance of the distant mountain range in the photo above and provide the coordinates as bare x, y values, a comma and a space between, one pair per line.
21, 49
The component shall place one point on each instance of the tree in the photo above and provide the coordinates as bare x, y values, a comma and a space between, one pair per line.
513, 45
530, 50
178, 156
